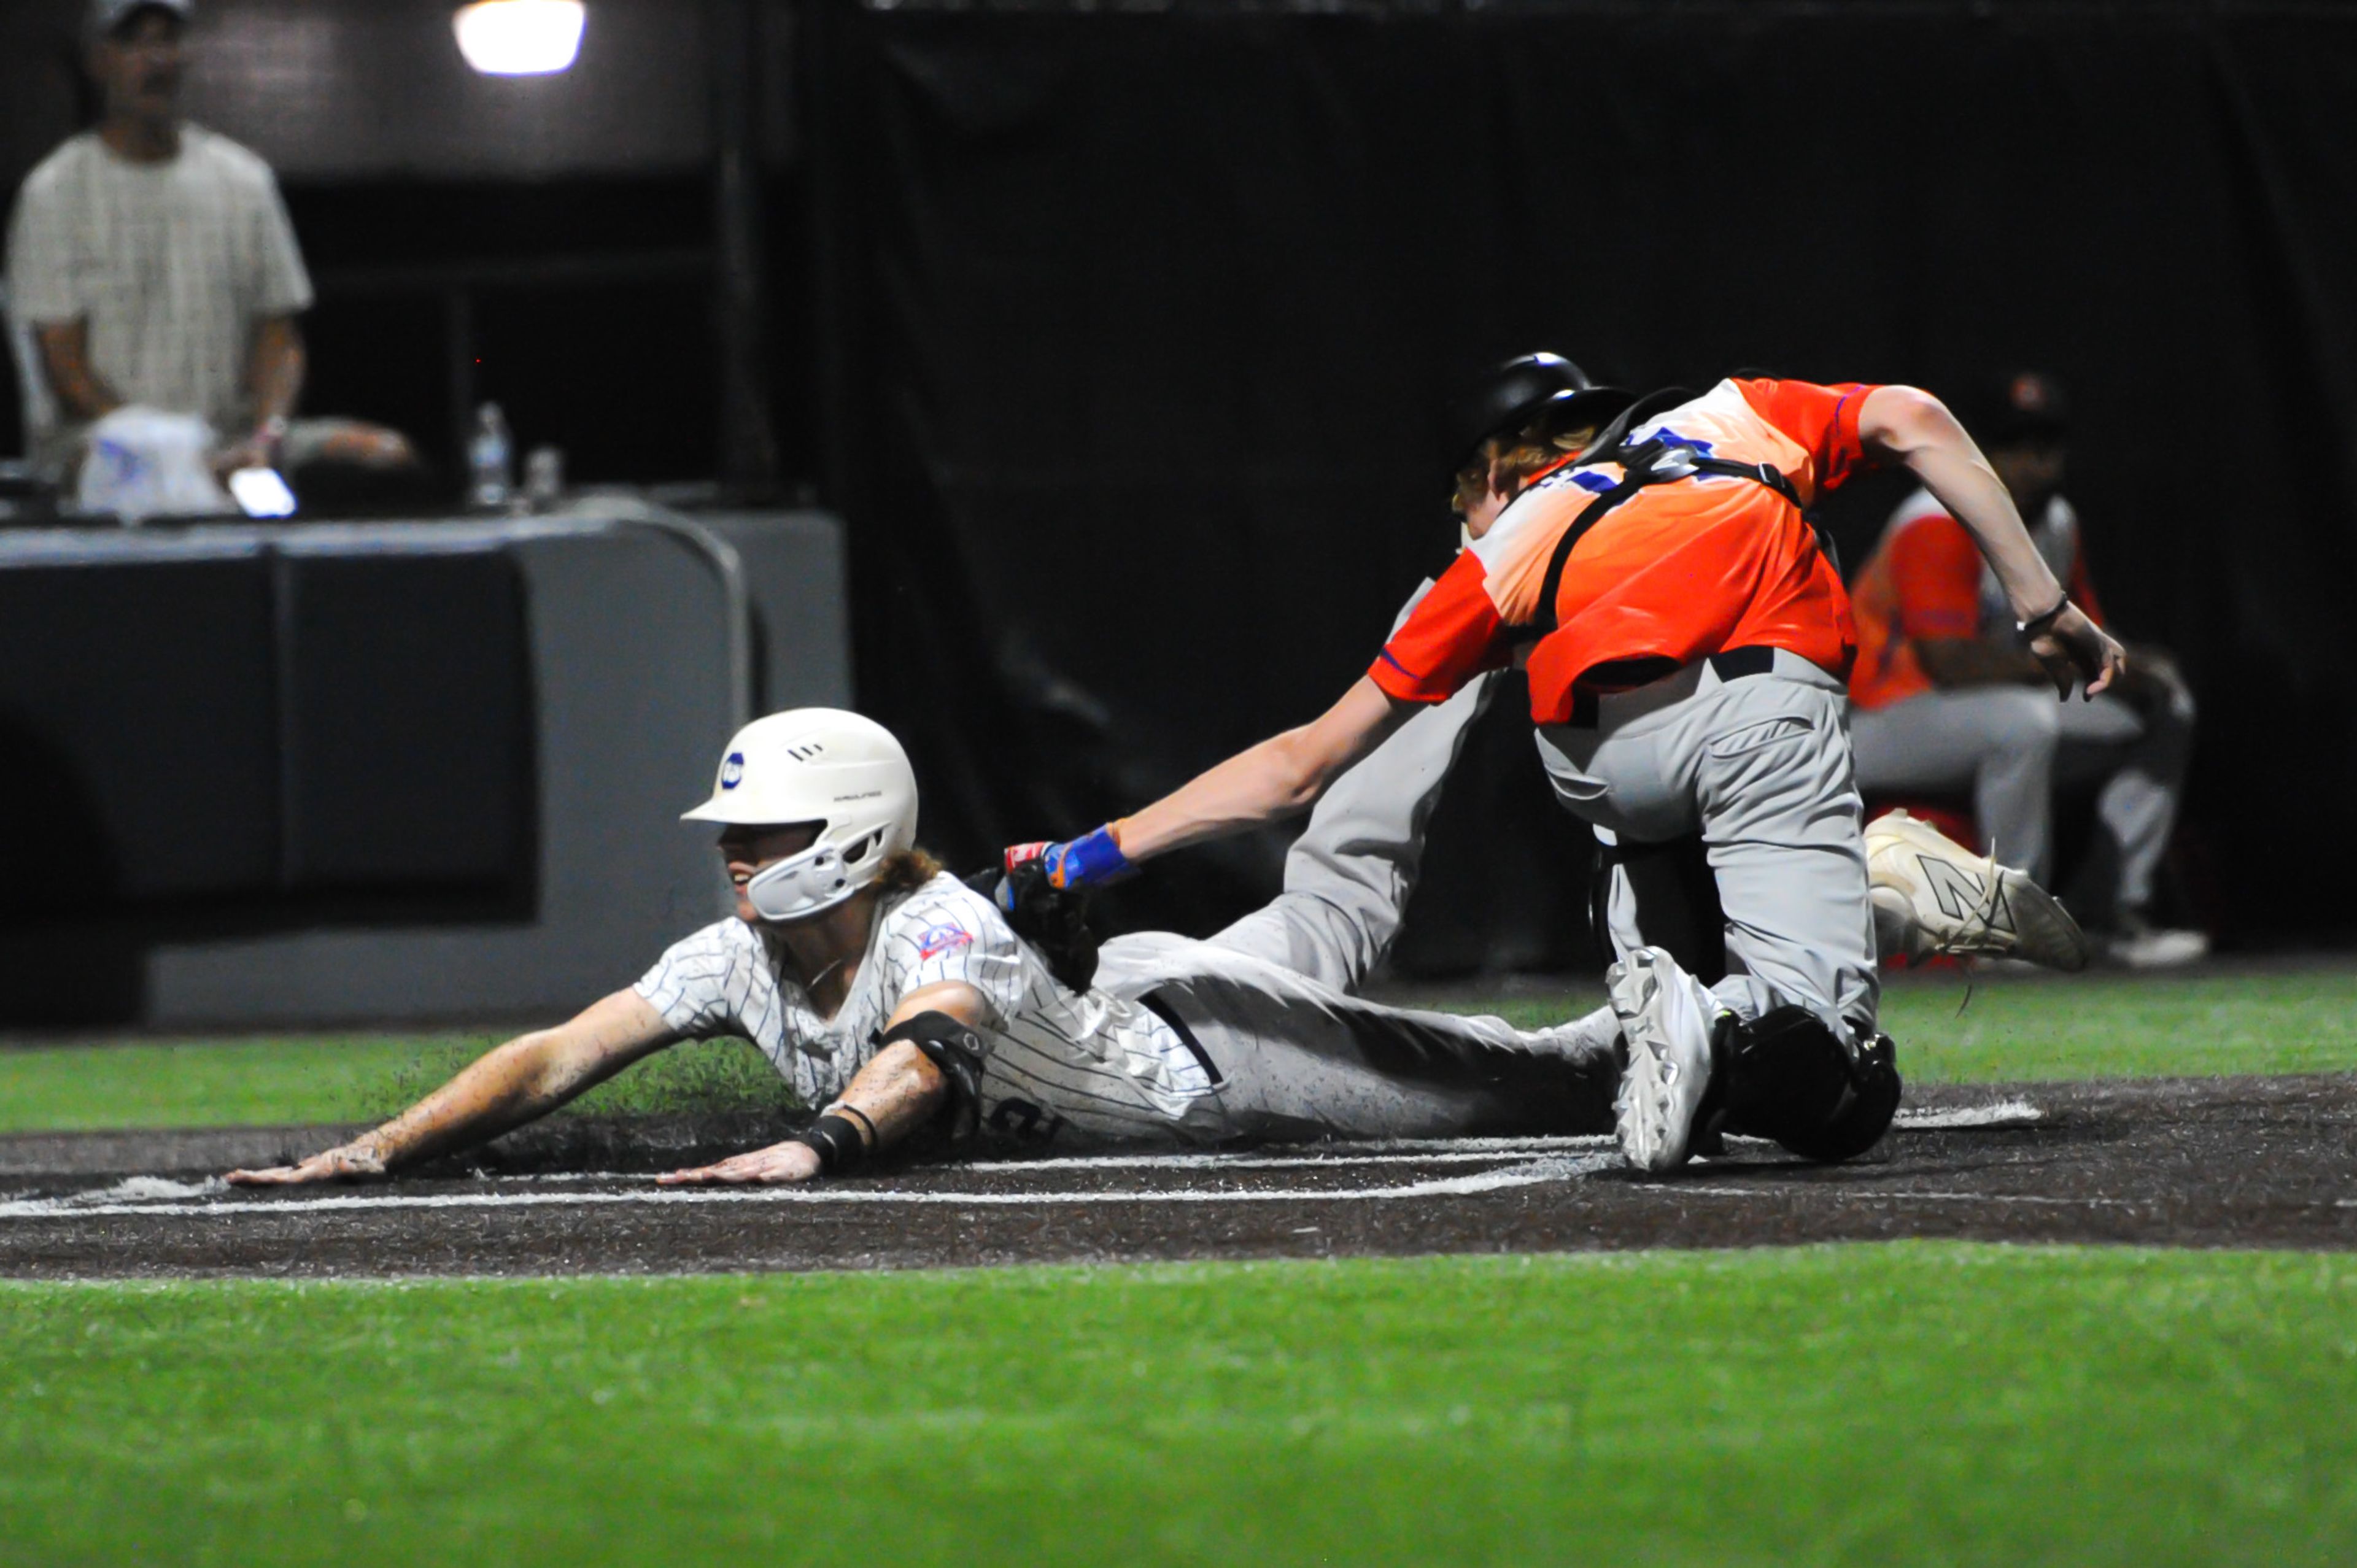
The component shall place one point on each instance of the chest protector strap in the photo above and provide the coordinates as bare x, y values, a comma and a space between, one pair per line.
1657, 461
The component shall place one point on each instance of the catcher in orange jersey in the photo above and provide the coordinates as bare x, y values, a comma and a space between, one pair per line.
1687, 640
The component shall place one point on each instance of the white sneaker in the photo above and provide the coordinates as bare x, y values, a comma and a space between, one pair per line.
1933, 897
2138, 944
1666, 1016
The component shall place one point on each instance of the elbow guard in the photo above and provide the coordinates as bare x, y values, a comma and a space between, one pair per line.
958, 1052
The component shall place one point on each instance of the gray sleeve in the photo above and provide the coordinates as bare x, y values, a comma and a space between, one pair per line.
43, 275
283, 286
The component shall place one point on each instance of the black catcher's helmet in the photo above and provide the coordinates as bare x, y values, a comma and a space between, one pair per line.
1518, 391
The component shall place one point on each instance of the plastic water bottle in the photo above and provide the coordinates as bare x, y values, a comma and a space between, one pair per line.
490, 459
544, 476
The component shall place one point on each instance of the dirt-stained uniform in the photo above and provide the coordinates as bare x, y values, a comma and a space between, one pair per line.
1253, 1033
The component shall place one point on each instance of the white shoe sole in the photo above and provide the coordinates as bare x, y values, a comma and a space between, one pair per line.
1669, 1059
2160, 949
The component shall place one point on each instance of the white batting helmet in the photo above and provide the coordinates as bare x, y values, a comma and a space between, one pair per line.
823, 765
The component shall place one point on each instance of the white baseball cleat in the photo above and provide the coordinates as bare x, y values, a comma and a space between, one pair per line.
1666, 1016
2140, 944
1933, 897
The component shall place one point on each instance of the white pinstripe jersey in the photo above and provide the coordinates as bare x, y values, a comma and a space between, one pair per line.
1087, 1067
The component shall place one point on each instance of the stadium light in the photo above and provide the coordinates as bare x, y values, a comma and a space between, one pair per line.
519, 37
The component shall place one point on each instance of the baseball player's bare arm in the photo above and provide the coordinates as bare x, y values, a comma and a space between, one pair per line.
1280, 776
526, 1077
1905, 426
896, 1094
80, 392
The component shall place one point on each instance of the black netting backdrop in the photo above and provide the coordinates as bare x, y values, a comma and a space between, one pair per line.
1139, 332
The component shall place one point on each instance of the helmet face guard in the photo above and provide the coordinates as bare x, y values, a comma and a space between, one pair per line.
804, 884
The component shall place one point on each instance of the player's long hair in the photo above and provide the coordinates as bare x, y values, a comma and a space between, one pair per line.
1541, 447
906, 870
1512, 460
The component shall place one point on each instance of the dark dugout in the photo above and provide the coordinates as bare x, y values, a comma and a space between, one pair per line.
1137, 334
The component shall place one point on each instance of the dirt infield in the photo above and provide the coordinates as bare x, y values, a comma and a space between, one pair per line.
2221, 1162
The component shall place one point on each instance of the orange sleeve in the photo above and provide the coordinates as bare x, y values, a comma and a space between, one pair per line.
1935, 576
1451, 635
1822, 418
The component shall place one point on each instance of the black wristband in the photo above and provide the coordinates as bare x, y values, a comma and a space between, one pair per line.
866, 1123
836, 1141
2037, 625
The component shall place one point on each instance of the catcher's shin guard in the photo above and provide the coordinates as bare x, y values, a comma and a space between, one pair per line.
1785, 1076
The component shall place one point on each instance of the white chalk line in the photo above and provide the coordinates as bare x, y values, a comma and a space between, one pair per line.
2000, 1114
1321, 1159
1817, 1189
1386, 1151
1543, 1157
1530, 1173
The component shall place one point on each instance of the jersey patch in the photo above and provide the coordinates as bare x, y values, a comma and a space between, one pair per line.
935, 940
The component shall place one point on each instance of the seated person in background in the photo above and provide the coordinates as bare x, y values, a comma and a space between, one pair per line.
151, 265
1945, 696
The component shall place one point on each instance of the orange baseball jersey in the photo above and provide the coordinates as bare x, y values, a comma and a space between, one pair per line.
1927, 580
1678, 571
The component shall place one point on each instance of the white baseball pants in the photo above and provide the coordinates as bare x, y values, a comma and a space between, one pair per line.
1270, 1000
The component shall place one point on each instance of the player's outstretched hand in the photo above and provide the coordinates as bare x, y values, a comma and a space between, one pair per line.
2075, 650
348, 1162
777, 1164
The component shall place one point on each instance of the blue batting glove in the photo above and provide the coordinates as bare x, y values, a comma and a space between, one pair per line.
1089, 861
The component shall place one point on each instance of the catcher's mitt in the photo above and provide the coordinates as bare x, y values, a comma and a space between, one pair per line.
1054, 920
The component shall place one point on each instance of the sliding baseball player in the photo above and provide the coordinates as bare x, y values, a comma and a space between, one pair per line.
896, 996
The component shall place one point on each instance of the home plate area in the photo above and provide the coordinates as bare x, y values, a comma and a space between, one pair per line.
2251, 1162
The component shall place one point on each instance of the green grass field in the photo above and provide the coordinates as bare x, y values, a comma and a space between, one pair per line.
2103, 1027
1873, 1405
1885, 1405
326, 1078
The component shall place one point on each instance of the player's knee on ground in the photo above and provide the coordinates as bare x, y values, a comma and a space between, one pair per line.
1787, 1077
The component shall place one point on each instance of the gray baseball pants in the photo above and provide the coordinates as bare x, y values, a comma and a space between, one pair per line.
2012, 746
1759, 766
1270, 1000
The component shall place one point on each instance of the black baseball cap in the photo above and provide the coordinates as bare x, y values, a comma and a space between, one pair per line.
108, 17
2027, 405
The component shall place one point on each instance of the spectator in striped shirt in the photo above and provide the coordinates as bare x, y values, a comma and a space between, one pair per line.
151, 265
